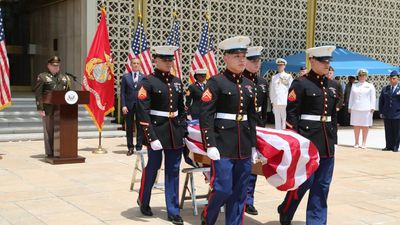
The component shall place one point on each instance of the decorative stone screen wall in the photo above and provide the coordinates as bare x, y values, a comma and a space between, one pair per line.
370, 27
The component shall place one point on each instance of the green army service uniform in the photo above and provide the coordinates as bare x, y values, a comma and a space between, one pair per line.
45, 83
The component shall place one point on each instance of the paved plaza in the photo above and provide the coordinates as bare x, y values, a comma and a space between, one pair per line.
364, 189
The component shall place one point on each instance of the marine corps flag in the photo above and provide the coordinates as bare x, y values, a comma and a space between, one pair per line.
99, 75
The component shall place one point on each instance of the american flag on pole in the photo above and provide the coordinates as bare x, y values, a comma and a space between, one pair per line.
288, 159
204, 55
140, 49
5, 93
174, 38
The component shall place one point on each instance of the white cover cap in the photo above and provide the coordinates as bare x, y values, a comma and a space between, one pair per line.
254, 51
280, 61
322, 52
235, 44
201, 71
167, 50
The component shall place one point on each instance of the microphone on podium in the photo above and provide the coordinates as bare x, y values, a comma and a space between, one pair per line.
74, 77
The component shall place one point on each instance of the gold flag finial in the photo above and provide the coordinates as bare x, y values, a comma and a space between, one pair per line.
174, 13
208, 17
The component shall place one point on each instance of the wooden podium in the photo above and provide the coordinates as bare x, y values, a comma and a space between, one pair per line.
65, 126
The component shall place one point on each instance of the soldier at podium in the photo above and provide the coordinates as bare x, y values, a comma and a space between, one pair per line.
46, 82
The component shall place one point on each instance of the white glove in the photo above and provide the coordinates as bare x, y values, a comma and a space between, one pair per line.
254, 155
156, 145
213, 153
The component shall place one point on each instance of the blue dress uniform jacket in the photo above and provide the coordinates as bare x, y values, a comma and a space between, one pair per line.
261, 90
389, 102
389, 107
193, 99
231, 94
163, 93
314, 95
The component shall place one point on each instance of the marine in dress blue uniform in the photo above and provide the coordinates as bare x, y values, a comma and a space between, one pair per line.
389, 108
194, 93
227, 123
311, 111
163, 119
261, 94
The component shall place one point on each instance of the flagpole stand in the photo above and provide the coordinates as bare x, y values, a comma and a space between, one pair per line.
100, 149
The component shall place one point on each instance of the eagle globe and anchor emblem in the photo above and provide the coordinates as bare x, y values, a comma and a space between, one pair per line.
101, 71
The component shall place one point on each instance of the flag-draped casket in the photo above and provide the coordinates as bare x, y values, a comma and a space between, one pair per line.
288, 159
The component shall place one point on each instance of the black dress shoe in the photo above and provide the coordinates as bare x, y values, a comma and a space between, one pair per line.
250, 209
283, 219
386, 149
396, 150
145, 209
138, 148
177, 219
130, 152
203, 220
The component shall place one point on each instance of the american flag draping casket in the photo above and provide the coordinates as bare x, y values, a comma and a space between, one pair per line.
288, 159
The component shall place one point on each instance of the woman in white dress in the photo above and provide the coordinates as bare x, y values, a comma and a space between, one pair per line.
361, 106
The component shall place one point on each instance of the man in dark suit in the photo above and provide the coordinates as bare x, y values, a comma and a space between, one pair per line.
389, 107
129, 91
194, 92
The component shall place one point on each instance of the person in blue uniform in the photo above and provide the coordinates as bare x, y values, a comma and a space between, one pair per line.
389, 108
261, 94
227, 124
163, 120
194, 92
311, 112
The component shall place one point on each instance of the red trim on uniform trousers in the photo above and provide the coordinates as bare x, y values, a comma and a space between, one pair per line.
211, 186
244, 208
142, 183
292, 195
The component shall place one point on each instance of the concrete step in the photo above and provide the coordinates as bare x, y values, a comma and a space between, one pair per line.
35, 120
39, 136
29, 113
21, 121
39, 128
